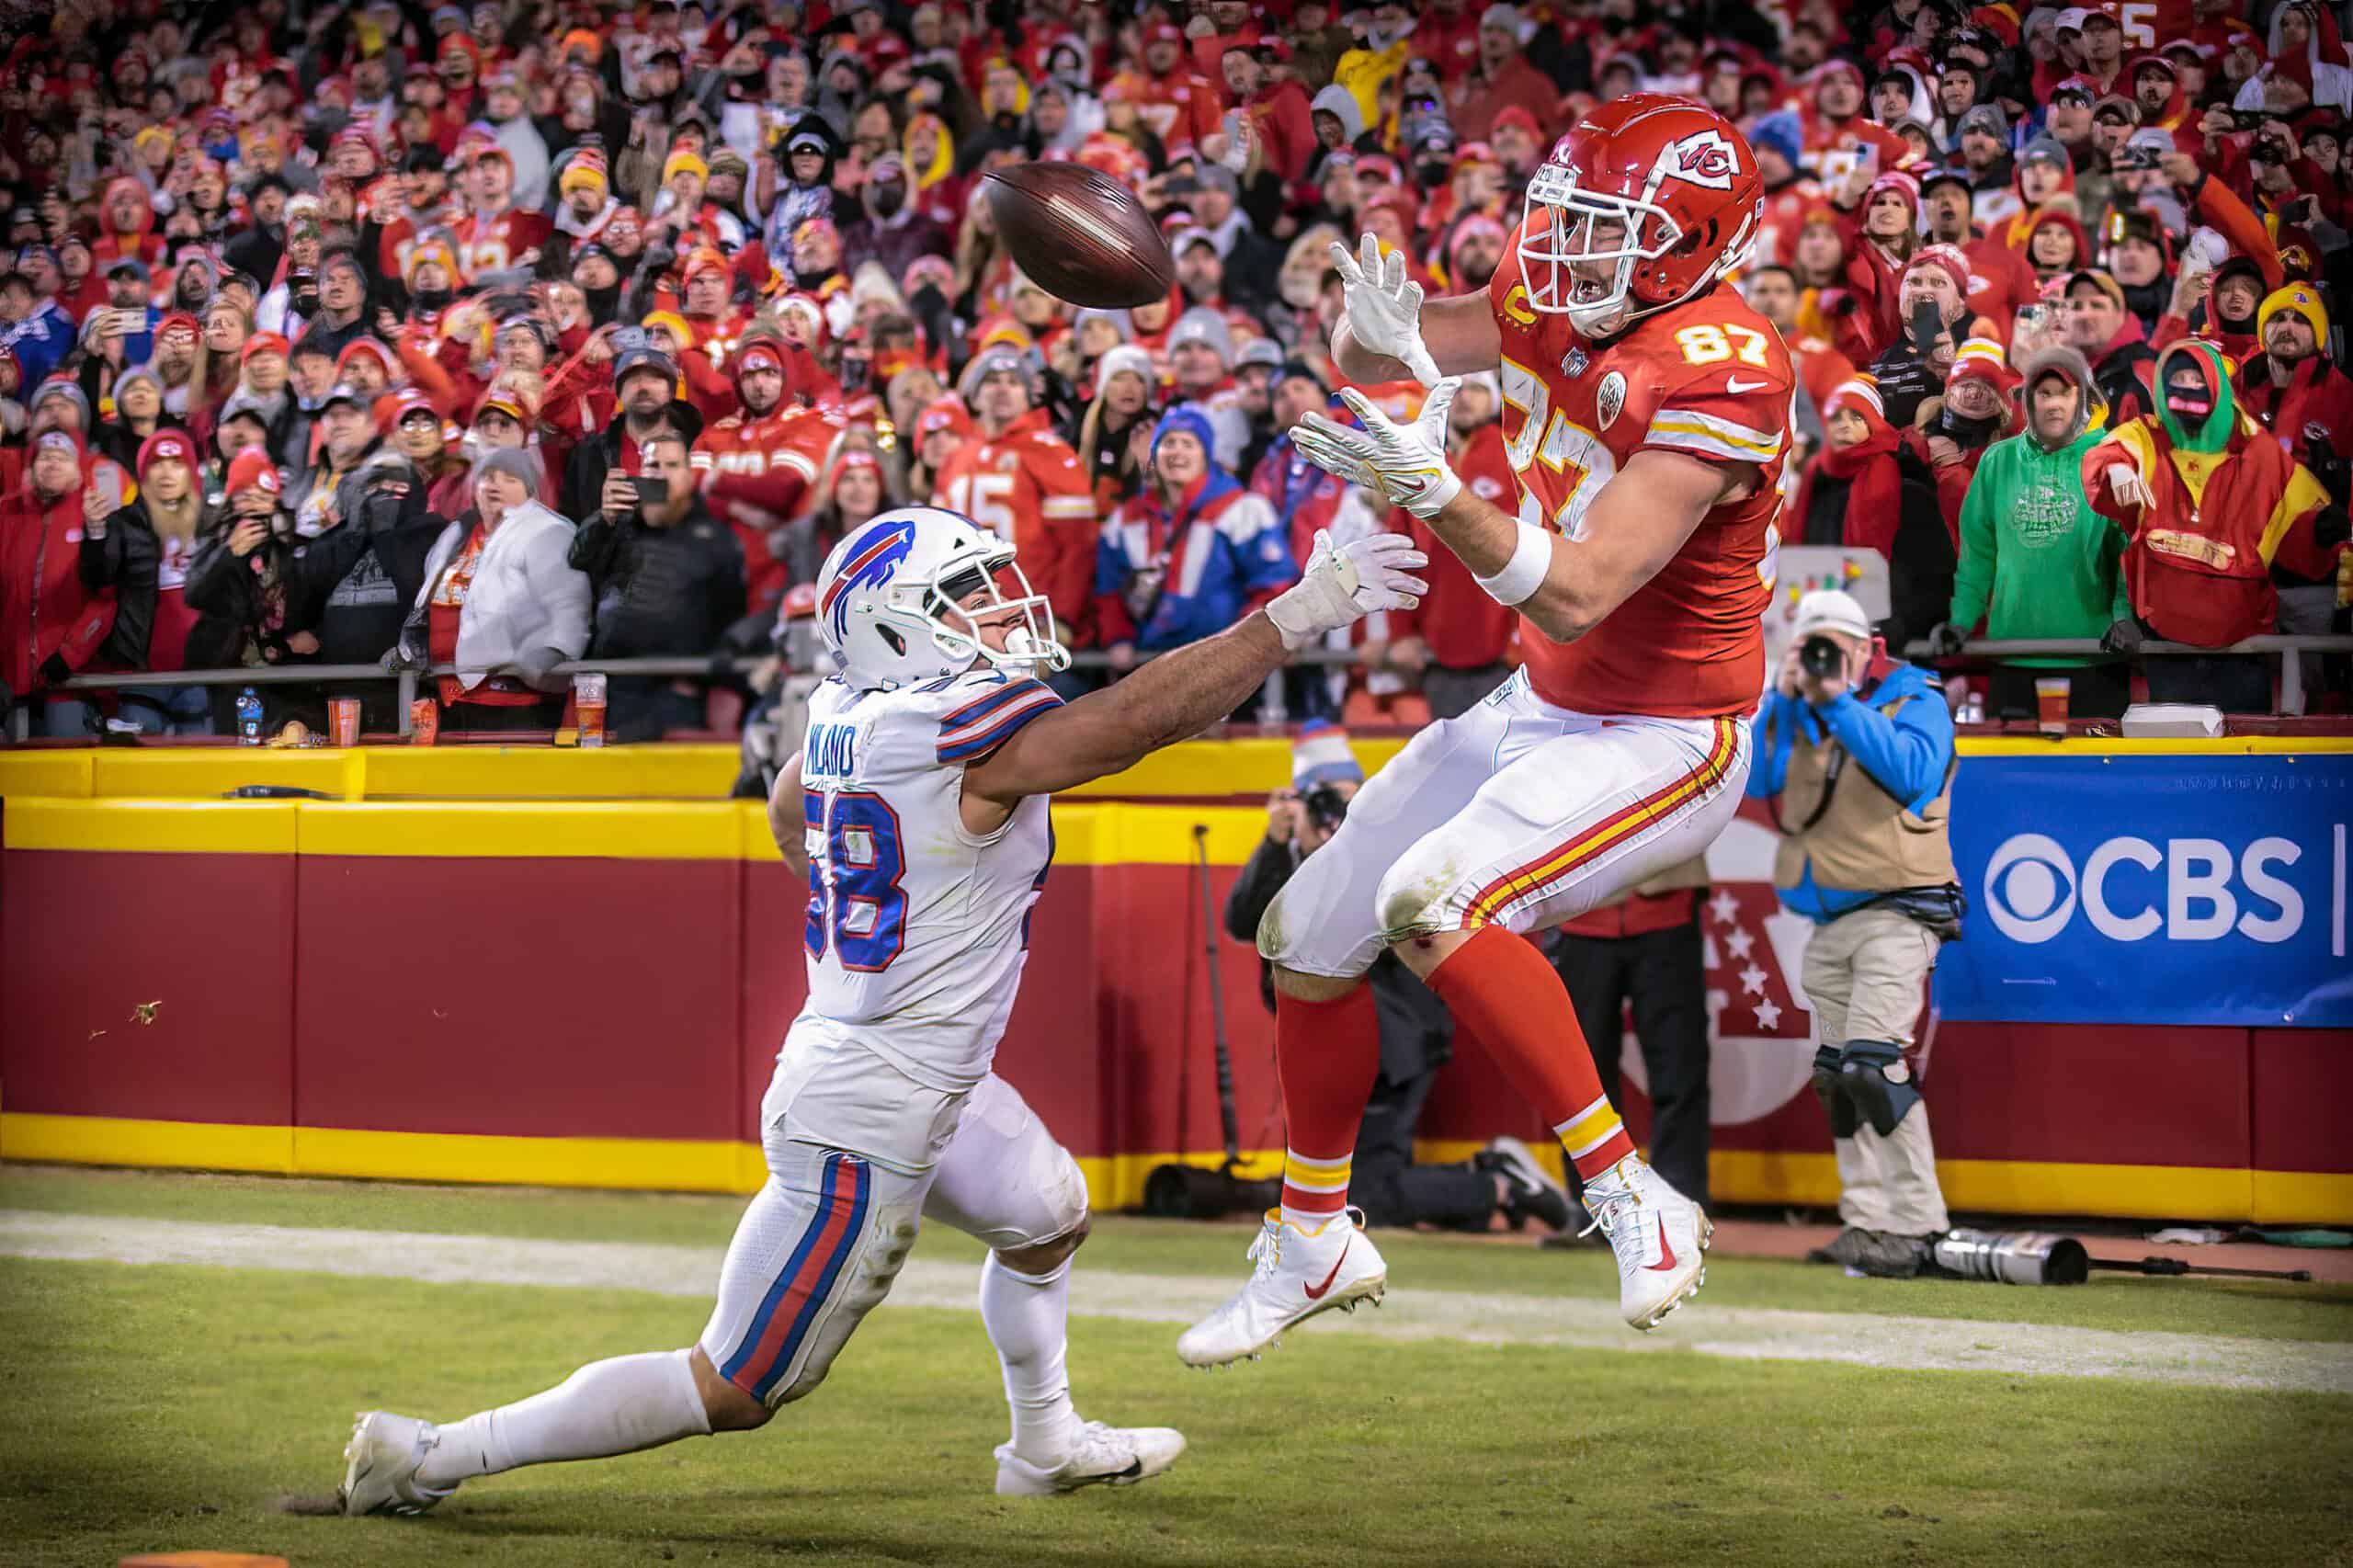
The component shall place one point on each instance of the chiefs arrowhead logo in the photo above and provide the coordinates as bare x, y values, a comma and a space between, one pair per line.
1702, 158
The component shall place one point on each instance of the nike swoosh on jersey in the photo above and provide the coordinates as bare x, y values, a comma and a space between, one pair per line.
1736, 385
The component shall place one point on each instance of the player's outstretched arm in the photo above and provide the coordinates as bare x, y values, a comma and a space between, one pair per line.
787, 818
1460, 332
1177, 695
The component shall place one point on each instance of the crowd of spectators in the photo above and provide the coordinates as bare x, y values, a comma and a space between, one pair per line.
355, 333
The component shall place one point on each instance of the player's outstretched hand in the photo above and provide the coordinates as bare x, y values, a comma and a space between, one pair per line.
1384, 307
1344, 581
1405, 462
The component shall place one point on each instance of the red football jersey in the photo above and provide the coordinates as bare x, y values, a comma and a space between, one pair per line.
494, 243
1709, 378
1026, 485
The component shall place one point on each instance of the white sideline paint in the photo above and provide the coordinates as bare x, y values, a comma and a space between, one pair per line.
1743, 1332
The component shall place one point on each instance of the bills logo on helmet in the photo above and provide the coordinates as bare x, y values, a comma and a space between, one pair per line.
872, 559
1703, 158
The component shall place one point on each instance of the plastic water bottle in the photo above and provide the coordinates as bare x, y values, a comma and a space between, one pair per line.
248, 718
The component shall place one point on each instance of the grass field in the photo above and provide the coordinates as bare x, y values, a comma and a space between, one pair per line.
165, 1405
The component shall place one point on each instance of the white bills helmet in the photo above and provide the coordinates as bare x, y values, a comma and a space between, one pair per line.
891, 602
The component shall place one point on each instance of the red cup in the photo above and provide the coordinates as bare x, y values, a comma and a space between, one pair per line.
423, 722
343, 720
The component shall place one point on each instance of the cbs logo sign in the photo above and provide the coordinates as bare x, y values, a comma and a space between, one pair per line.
2033, 889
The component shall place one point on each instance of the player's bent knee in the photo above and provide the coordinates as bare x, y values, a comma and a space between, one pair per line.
1047, 1255
729, 1408
1415, 897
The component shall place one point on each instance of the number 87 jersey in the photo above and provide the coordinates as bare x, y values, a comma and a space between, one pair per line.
1708, 378
918, 928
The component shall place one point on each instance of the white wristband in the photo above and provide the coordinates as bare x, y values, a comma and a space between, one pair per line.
1524, 572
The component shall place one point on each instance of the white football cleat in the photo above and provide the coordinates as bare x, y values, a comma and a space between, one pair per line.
1300, 1272
1103, 1456
381, 1465
1660, 1237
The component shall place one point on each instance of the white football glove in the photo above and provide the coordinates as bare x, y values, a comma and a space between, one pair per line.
2124, 483
1384, 307
1343, 583
1405, 462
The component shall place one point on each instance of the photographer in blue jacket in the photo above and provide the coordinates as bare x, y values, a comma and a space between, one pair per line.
1855, 751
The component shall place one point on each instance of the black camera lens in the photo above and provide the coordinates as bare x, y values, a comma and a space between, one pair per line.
1326, 808
1821, 657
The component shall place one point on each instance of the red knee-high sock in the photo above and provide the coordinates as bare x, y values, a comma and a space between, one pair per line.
1326, 1055
1501, 989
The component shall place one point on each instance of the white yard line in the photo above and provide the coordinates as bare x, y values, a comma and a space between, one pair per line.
1743, 1332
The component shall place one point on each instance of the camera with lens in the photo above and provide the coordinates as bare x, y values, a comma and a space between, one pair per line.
2268, 150
1324, 805
1821, 657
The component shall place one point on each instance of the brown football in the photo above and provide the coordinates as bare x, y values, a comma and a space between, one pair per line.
1082, 236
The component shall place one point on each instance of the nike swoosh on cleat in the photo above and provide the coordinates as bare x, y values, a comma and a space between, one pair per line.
1736, 385
1317, 1292
1667, 1251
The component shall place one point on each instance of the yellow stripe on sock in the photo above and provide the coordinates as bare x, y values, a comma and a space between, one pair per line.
1589, 1129
1316, 1175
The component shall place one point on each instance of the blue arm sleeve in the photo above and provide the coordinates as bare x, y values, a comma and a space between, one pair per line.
1906, 754
1770, 733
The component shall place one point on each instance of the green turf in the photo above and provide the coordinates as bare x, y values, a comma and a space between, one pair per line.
2244, 1308
168, 1407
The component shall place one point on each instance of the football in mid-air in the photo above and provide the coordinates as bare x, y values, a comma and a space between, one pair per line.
1081, 234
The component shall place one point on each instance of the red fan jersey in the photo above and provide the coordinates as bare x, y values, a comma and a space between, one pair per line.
757, 475
1708, 379
1026, 485
493, 243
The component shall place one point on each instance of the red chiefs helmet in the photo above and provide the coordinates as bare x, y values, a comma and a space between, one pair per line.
1658, 195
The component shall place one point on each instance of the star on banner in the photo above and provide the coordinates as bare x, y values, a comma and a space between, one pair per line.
1768, 1014
1723, 906
1752, 981
1738, 941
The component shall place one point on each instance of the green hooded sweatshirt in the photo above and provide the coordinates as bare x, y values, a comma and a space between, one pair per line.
2036, 561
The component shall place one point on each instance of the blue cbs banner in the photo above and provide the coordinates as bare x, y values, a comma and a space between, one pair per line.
2152, 890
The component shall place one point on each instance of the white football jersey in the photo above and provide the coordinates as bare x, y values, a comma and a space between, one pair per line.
918, 928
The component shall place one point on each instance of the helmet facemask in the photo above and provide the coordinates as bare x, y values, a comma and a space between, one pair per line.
1589, 230
935, 607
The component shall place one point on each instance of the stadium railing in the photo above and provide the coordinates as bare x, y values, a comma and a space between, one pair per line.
1271, 708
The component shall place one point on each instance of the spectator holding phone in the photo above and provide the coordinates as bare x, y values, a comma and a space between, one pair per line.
665, 577
56, 620
145, 549
501, 603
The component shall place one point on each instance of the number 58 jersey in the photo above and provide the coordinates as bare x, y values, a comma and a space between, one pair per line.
918, 928
1709, 378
